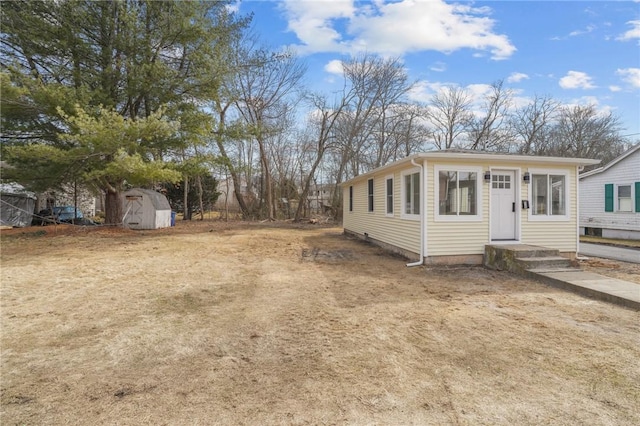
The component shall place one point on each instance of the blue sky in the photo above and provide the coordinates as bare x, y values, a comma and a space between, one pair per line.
577, 52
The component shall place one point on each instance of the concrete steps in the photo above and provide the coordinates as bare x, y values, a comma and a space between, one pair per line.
523, 258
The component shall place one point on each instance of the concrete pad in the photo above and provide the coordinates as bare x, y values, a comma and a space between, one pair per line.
604, 288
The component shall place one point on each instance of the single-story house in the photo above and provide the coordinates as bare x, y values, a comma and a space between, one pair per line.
610, 198
445, 206
146, 209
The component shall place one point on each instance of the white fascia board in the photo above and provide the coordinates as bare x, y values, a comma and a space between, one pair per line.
493, 158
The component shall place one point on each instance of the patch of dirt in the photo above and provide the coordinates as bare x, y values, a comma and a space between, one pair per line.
275, 323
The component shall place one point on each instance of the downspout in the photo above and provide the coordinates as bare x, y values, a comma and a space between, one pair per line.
578, 170
423, 199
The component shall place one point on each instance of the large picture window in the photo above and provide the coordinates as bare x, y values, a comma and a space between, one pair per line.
549, 194
457, 193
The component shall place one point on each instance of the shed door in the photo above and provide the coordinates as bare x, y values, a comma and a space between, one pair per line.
503, 205
134, 206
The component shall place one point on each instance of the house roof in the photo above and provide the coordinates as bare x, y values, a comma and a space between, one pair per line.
471, 155
611, 163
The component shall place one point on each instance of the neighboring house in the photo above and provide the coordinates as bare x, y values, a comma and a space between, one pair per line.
227, 200
610, 198
68, 195
320, 197
445, 206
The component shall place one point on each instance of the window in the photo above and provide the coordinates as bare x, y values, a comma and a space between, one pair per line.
457, 193
370, 194
351, 198
389, 197
624, 198
548, 194
411, 194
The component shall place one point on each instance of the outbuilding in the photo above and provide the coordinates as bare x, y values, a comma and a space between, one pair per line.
16, 205
446, 206
146, 209
610, 198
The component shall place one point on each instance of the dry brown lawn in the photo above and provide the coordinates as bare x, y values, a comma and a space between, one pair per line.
214, 323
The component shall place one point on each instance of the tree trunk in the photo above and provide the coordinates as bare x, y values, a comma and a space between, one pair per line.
268, 192
307, 186
113, 210
199, 182
237, 182
185, 199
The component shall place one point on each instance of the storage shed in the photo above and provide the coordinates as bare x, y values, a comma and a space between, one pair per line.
16, 205
146, 209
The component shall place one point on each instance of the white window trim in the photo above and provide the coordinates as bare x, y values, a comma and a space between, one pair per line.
616, 199
371, 210
403, 196
567, 198
386, 196
479, 193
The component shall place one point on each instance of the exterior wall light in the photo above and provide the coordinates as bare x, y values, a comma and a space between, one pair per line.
526, 177
487, 176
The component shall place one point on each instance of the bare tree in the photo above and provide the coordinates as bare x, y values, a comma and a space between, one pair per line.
448, 114
324, 119
490, 131
581, 131
264, 99
532, 124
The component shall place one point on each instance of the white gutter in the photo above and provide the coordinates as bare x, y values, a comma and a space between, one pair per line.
423, 199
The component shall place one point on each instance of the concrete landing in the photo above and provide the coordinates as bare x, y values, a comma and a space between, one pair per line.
612, 290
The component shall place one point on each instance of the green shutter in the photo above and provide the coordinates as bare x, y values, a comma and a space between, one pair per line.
637, 197
608, 197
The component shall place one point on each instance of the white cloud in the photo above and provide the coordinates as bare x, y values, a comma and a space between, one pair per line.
234, 6
517, 77
576, 80
630, 76
587, 30
394, 28
583, 101
334, 67
312, 22
615, 88
633, 33
438, 67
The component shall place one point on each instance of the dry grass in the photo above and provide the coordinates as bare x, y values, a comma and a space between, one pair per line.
610, 241
217, 323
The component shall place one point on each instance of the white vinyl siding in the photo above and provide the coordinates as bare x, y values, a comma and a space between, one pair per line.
592, 196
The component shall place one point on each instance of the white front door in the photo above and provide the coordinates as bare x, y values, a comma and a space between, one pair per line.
503, 205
